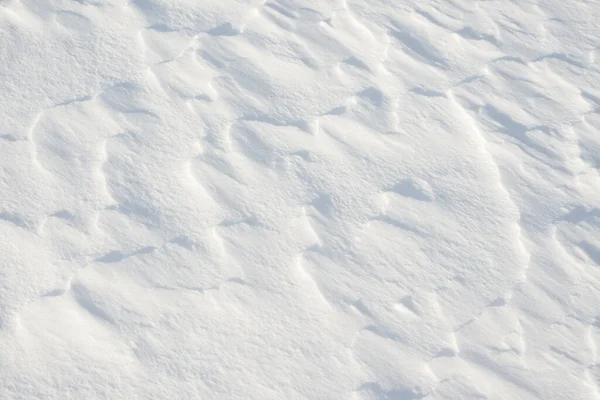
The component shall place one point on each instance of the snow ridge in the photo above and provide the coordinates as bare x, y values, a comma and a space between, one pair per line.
294, 199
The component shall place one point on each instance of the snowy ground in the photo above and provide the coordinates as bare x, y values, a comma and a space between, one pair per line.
293, 199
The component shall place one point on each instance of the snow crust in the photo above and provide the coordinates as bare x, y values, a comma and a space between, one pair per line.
293, 199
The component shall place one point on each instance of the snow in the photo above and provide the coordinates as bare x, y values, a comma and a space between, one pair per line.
293, 199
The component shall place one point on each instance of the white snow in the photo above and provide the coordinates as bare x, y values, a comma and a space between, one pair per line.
293, 199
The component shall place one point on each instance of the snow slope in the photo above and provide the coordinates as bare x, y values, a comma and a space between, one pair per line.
293, 199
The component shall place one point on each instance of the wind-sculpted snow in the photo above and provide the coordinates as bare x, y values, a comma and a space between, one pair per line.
299, 199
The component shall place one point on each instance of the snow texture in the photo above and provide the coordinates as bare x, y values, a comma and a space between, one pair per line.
294, 199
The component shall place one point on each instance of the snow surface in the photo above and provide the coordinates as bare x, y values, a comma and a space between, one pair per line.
293, 199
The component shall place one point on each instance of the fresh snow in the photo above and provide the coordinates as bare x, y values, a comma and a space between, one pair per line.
293, 199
